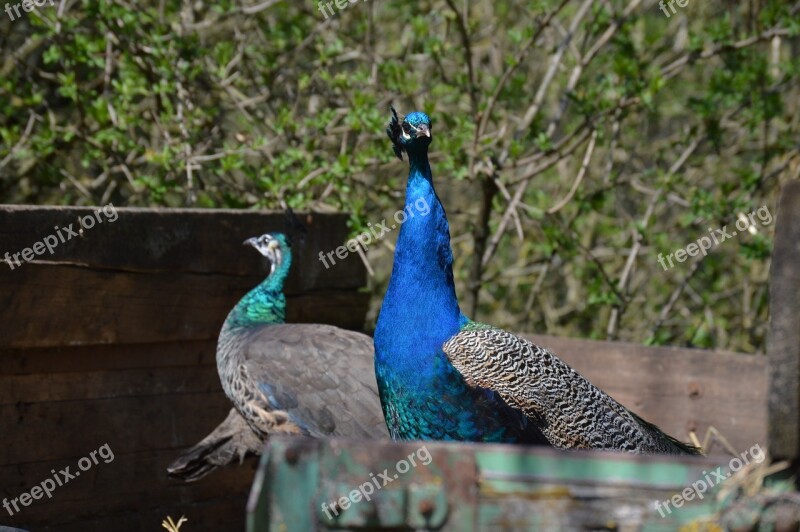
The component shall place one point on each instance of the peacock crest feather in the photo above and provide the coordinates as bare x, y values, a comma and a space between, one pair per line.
402, 133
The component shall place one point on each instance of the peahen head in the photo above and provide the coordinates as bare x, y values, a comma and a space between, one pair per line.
274, 246
265, 304
412, 135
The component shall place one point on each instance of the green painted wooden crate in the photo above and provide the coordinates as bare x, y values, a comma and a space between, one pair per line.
306, 484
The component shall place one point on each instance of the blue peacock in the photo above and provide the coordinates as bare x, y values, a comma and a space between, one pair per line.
442, 376
314, 380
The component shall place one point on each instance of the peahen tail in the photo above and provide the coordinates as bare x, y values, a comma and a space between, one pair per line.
233, 439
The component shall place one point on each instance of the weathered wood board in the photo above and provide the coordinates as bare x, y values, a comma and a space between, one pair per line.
159, 275
783, 344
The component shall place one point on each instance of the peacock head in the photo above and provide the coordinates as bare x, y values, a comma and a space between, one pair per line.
411, 135
274, 246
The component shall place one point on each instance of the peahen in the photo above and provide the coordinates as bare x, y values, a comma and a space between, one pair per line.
442, 376
315, 380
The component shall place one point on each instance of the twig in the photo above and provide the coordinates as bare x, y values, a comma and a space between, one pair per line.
365, 260
555, 61
526, 318
112, 113
673, 68
662, 316
76, 183
465, 43
171, 525
252, 10
587, 157
22, 139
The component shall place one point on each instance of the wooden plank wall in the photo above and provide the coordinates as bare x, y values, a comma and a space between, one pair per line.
111, 340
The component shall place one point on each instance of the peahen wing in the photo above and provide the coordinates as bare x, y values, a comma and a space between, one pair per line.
571, 412
321, 376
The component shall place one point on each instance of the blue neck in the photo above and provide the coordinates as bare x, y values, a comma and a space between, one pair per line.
420, 310
264, 304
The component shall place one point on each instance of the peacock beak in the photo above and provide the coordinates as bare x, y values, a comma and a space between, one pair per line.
423, 131
250, 242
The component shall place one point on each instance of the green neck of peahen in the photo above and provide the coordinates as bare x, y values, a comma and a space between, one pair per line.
264, 304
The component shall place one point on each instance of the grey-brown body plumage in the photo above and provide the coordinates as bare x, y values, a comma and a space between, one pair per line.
571, 412
316, 380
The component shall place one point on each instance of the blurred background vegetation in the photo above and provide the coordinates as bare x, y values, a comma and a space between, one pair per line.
574, 140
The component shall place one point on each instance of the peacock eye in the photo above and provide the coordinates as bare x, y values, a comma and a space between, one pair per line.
406, 128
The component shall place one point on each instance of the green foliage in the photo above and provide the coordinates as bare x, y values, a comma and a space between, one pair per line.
194, 105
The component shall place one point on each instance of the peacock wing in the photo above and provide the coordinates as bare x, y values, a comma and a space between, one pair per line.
570, 411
